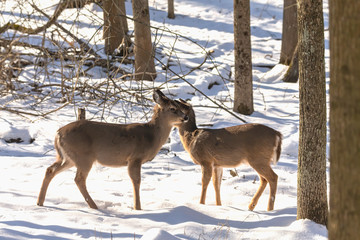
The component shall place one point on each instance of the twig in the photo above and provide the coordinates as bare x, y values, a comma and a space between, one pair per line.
181, 77
81, 42
60, 7
191, 85
55, 110
19, 112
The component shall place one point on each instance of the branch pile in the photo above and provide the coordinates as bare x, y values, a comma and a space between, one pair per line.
46, 62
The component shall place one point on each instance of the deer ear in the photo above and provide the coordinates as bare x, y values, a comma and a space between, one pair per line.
184, 102
183, 105
160, 98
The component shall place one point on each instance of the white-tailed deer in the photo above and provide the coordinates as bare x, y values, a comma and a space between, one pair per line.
82, 143
215, 149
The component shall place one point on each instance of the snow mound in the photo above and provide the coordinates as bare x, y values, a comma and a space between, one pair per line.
306, 229
302, 229
158, 234
12, 134
276, 74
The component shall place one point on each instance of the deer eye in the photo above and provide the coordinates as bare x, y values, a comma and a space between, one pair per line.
172, 109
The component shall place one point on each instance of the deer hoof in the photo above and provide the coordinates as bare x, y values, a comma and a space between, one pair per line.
251, 207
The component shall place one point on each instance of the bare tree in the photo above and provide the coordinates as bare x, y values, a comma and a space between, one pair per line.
243, 99
144, 53
171, 11
115, 25
344, 218
312, 190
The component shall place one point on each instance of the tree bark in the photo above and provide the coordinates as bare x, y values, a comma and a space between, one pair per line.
243, 95
289, 32
77, 3
144, 53
171, 11
81, 114
289, 54
344, 218
292, 74
123, 16
312, 190
115, 25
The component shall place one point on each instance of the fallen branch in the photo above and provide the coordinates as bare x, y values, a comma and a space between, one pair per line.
19, 112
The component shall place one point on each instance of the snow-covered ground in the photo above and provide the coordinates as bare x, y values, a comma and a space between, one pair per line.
170, 187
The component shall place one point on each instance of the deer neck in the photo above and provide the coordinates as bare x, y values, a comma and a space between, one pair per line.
161, 126
187, 132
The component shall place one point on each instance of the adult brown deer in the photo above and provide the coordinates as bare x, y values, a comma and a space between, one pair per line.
82, 143
215, 149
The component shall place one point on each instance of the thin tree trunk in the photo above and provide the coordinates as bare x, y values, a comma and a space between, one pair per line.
123, 16
144, 54
289, 32
115, 25
81, 114
289, 54
243, 96
292, 74
312, 190
344, 219
76, 3
171, 11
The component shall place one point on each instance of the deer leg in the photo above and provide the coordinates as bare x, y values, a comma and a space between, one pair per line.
51, 172
80, 180
272, 179
266, 175
206, 176
255, 199
216, 178
134, 170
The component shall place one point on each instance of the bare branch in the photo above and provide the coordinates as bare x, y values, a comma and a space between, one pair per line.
60, 7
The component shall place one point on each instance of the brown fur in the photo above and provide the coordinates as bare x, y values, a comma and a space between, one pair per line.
83, 142
214, 149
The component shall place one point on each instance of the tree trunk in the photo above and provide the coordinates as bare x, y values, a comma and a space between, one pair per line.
289, 54
289, 32
81, 114
292, 74
123, 16
171, 11
243, 96
115, 25
344, 218
80, 3
76, 3
312, 190
144, 53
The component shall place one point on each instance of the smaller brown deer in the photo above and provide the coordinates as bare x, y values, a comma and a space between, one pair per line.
82, 143
215, 149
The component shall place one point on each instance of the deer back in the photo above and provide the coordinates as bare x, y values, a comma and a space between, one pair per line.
84, 142
231, 146
110, 144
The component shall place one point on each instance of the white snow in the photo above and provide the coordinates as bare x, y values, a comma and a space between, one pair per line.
170, 187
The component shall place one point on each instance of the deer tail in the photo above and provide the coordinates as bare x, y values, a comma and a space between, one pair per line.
277, 149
